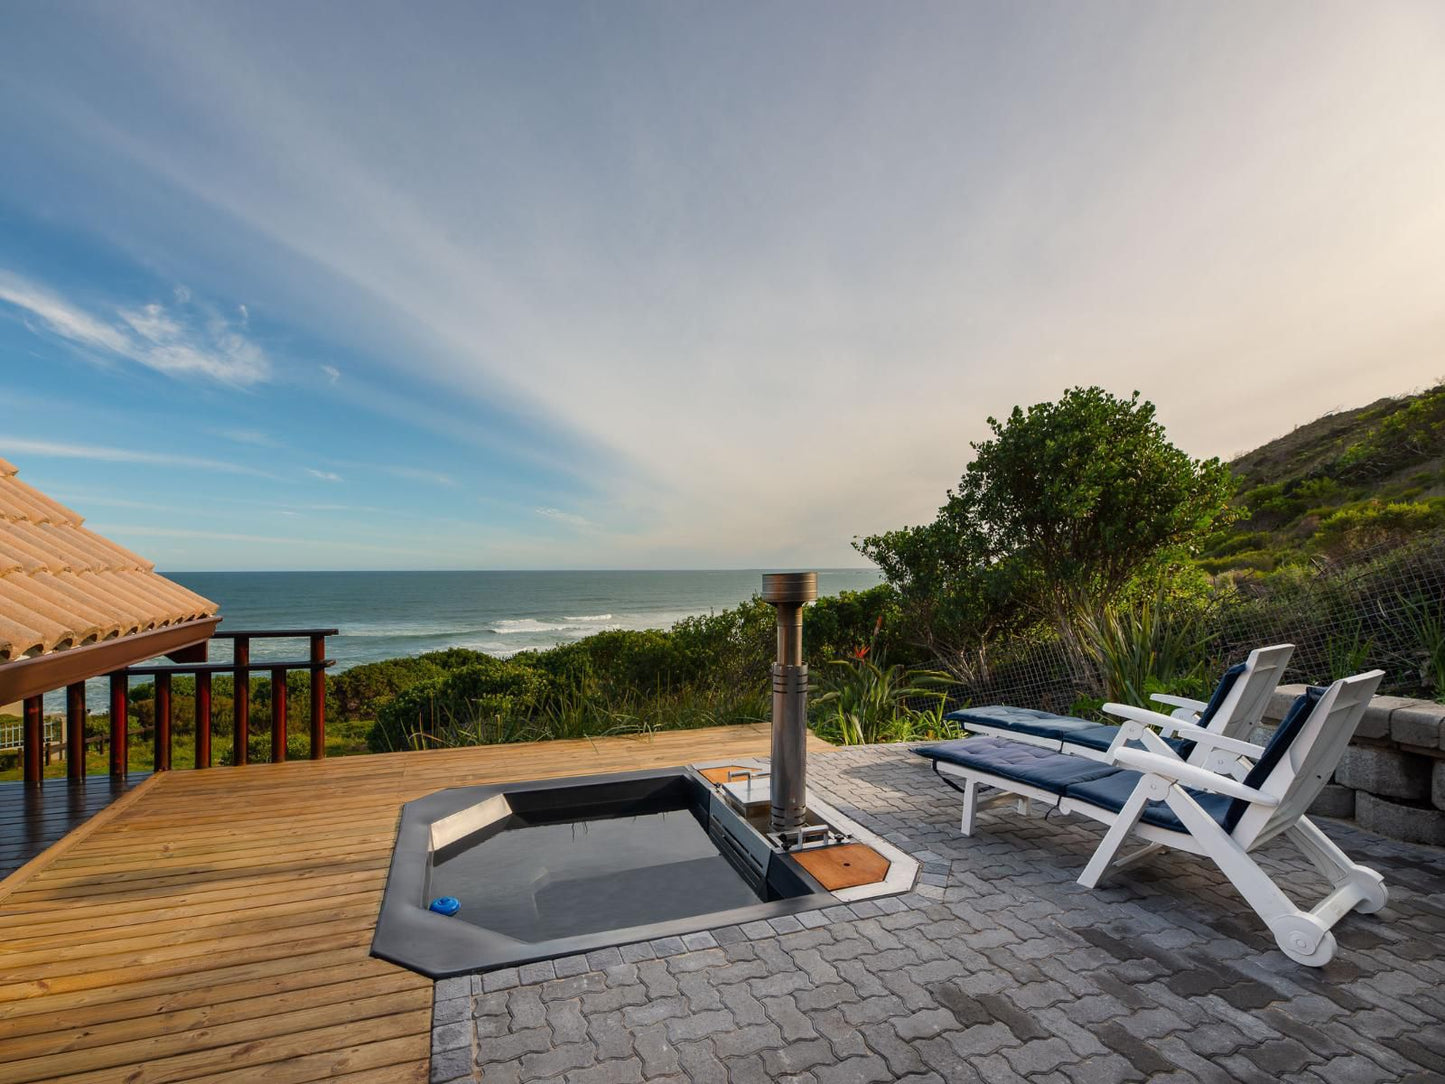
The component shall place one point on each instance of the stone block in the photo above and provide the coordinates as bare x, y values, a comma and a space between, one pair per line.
1261, 735
1375, 723
1386, 772
1334, 801
1437, 791
1418, 723
1410, 823
1281, 700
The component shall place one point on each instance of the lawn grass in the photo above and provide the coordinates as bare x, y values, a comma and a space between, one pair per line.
343, 738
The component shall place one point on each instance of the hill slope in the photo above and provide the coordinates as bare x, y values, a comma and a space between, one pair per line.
1348, 481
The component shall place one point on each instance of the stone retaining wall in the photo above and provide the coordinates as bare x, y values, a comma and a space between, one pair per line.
1391, 779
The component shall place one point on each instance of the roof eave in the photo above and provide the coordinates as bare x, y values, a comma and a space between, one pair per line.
33, 676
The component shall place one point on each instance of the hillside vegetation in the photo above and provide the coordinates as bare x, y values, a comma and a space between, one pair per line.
1351, 481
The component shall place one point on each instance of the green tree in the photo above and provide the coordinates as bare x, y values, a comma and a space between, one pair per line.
1060, 509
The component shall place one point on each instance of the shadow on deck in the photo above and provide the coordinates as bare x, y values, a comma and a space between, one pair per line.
34, 818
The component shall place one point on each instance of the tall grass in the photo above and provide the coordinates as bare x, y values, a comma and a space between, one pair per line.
865, 700
1149, 646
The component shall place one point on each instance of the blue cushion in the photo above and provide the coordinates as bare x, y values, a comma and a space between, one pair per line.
1053, 772
1288, 730
1112, 791
1226, 683
1211, 709
1043, 724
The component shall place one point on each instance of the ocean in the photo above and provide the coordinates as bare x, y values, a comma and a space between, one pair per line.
384, 615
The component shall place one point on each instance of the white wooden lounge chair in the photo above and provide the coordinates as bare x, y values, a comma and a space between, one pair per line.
1234, 709
1223, 815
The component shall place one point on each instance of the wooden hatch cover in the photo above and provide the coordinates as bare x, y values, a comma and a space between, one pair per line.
846, 865
720, 775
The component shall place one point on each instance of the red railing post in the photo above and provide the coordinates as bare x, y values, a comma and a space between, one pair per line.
318, 697
75, 732
119, 736
203, 719
32, 738
163, 723
278, 715
242, 700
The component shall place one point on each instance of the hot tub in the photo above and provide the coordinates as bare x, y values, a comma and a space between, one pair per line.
556, 867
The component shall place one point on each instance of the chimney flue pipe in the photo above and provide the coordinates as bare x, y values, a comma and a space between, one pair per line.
788, 592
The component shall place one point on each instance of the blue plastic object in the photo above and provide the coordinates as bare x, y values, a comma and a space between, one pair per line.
445, 905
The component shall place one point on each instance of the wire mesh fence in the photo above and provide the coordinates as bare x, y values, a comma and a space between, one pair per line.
1381, 608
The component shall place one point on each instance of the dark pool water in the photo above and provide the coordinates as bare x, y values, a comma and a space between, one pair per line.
546, 881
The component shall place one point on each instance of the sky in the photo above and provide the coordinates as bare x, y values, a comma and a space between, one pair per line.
670, 285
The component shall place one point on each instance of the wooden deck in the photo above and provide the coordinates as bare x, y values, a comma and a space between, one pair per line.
215, 925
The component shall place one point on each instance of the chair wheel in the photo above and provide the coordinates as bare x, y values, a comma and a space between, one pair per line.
1376, 896
1300, 940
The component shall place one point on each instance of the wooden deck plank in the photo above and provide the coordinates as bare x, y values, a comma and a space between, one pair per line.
217, 926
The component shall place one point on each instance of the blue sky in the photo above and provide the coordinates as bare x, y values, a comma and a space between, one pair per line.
344, 285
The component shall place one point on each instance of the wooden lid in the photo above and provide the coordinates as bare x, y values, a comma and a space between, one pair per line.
846, 865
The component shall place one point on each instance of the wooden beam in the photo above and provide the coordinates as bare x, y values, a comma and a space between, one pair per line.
163, 723
241, 701
75, 732
318, 697
203, 719
25, 678
32, 738
119, 725
195, 653
278, 716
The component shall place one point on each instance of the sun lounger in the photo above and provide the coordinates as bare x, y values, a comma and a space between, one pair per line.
1152, 792
1235, 707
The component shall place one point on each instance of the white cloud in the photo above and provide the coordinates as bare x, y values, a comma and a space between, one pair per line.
61, 318
323, 475
150, 335
105, 454
796, 267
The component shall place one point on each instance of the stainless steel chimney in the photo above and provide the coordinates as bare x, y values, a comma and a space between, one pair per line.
788, 592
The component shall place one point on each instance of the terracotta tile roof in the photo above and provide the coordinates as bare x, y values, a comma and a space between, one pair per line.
62, 585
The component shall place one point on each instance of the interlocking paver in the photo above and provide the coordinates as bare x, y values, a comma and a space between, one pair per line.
1001, 969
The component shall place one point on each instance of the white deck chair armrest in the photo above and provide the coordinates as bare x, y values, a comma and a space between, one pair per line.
1184, 729
1129, 713
1190, 775
1195, 706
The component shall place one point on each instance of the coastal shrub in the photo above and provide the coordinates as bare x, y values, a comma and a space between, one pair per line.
730, 648
258, 749
1374, 525
362, 691
837, 625
1059, 510
495, 693
1408, 433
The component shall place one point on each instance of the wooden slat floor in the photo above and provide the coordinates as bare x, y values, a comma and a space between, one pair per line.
32, 818
216, 925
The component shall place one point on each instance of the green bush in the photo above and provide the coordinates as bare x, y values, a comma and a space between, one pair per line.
361, 692
496, 697
1375, 524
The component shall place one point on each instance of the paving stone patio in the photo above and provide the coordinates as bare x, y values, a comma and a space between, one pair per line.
997, 967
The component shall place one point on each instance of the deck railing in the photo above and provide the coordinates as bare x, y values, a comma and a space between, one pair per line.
35, 752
